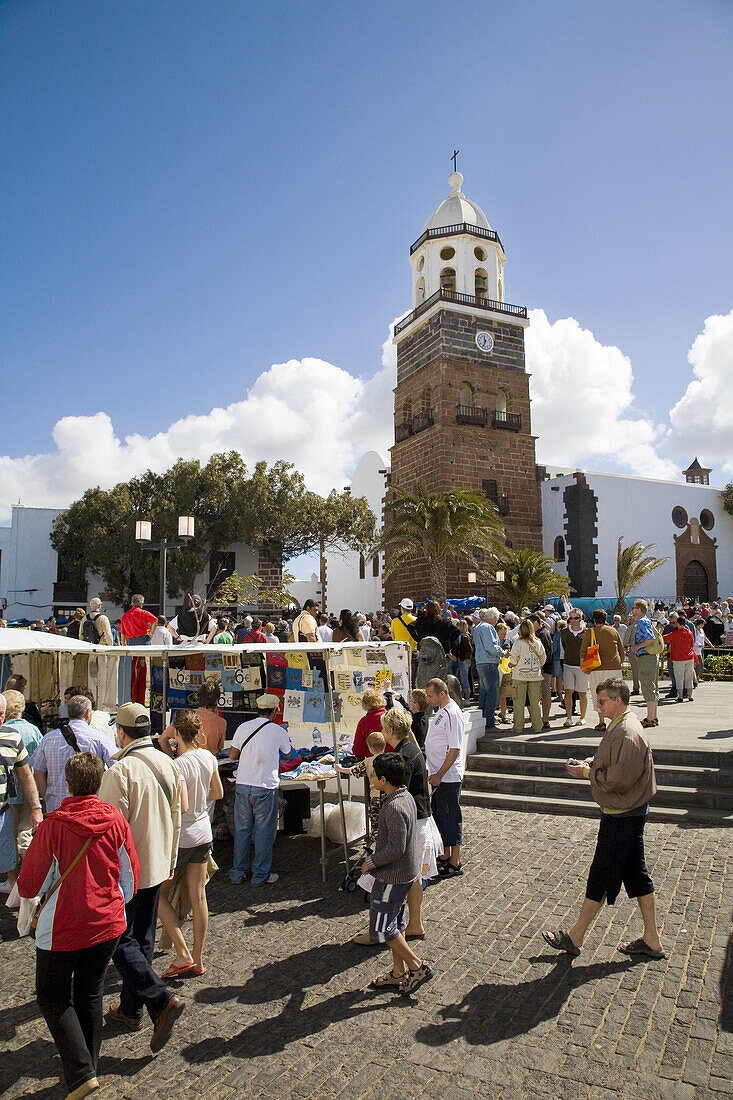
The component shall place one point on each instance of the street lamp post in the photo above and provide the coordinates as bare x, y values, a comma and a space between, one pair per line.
143, 535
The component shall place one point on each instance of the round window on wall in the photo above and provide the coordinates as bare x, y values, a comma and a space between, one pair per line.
479, 253
447, 253
679, 517
707, 519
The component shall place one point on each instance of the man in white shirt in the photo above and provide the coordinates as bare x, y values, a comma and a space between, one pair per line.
324, 630
257, 745
444, 756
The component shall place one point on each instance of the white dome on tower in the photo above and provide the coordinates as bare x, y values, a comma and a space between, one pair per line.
456, 209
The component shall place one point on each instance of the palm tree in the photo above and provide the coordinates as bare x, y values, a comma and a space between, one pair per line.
529, 577
633, 564
459, 523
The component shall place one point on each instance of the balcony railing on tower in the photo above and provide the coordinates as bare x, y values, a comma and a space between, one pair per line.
453, 231
472, 414
511, 422
411, 426
489, 304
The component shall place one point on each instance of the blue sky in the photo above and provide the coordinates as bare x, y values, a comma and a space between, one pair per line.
194, 190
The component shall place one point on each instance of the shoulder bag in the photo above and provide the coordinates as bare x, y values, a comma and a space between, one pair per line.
592, 659
47, 897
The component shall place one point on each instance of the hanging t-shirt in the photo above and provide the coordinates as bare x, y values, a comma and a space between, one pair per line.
196, 767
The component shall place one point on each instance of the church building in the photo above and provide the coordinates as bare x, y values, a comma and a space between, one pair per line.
462, 407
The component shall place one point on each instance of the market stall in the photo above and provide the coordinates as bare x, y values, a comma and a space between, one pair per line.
320, 686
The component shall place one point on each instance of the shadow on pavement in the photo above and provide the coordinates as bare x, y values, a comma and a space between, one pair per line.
294, 1023
279, 978
716, 734
493, 1012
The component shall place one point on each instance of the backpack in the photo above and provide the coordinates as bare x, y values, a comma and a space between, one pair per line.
89, 630
655, 646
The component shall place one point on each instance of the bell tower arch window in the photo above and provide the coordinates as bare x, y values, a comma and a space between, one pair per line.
481, 283
420, 290
448, 279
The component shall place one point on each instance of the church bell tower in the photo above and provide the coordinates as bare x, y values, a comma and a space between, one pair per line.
462, 409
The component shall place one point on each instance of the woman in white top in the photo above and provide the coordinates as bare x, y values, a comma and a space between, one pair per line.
526, 659
200, 776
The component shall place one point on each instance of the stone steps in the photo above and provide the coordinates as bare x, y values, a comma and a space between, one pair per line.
695, 815
529, 774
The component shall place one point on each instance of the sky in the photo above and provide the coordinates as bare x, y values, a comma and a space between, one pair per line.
207, 208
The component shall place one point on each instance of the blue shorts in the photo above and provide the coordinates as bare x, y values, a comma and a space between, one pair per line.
8, 851
446, 807
387, 911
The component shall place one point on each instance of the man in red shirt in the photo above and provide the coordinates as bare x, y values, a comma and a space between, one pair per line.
137, 623
682, 657
136, 627
256, 634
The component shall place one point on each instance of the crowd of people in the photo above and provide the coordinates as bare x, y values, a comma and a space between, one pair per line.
133, 812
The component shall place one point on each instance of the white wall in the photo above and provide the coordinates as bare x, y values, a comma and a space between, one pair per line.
640, 510
344, 588
28, 561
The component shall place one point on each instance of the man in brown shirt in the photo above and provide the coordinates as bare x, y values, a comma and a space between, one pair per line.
622, 782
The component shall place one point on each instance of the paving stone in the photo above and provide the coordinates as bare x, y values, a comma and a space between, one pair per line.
284, 1010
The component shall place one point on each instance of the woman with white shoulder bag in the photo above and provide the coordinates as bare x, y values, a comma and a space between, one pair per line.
526, 659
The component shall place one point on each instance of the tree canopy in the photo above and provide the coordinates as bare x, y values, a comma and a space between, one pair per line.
457, 524
529, 578
727, 496
269, 506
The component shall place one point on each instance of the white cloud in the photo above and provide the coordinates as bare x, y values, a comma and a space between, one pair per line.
307, 411
583, 404
322, 418
702, 420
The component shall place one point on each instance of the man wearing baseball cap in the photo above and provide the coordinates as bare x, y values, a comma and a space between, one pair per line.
257, 745
400, 625
145, 785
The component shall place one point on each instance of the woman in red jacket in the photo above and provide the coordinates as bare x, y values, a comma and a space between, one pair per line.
83, 918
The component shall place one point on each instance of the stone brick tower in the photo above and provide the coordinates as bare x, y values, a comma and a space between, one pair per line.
462, 411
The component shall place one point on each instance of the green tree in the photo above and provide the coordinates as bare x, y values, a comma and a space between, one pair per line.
529, 578
460, 523
727, 498
269, 507
633, 564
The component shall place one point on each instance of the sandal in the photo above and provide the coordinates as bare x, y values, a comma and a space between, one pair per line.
567, 723
561, 942
452, 871
415, 978
388, 979
647, 723
174, 971
641, 947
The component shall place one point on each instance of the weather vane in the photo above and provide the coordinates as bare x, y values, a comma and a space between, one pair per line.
454, 157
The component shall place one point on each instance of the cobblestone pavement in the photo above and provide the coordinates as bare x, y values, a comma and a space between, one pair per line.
283, 1009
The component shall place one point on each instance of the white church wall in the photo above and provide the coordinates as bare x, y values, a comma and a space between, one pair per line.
344, 587
640, 510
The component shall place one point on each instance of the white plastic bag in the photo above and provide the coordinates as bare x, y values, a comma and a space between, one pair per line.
314, 828
355, 818
25, 914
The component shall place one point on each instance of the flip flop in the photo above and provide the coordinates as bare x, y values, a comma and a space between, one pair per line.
174, 971
561, 942
641, 947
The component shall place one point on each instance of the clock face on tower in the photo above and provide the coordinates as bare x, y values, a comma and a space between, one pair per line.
485, 342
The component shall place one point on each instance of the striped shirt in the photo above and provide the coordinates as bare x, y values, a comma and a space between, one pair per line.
12, 754
53, 752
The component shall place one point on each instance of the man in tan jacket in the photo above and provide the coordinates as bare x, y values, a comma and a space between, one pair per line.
145, 786
622, 782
